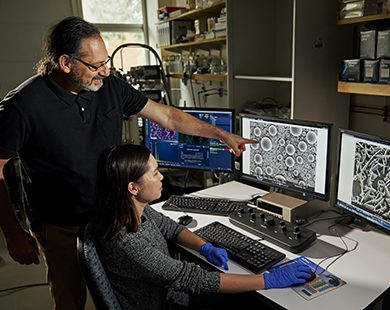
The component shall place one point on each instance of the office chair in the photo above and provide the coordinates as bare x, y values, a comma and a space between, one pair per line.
98, 284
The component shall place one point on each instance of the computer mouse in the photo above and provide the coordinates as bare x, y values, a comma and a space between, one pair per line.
312, 277
334, 280
184, 220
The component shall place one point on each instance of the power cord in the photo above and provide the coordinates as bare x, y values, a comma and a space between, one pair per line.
163, 76
174, 181
22, 287
331, 229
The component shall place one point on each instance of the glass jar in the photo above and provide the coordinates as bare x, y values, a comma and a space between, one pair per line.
191, 4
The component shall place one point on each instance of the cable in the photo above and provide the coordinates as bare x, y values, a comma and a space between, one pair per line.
122, 60
174, 181
163, 76
192, 89
318, 214
338, 256
205, 97
177, 207
270, 98
218, 177
23, 286
185, 179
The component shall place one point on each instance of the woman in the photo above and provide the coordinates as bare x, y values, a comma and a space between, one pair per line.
133, 241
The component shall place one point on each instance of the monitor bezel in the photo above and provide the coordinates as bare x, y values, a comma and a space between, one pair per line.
200, 168
361, 135
294, 190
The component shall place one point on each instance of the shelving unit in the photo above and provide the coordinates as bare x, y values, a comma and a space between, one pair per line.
363, 19
215, 8
216, 43
203, 77
205, 44
279, 59
364, 88
273, 53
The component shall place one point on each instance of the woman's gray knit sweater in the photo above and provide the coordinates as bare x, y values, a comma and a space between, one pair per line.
142, 273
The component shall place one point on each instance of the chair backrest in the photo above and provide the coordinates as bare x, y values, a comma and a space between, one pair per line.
98, 284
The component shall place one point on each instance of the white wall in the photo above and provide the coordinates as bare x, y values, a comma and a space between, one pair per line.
23, 25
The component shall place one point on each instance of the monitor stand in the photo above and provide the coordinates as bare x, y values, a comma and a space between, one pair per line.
356, 223
282, 206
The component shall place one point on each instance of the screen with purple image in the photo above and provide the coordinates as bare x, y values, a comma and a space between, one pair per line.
175, 149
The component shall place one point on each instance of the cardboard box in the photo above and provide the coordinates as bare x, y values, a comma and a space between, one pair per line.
384, 71
383, 6
351, 70
179, 29
200, 26
368, 44
371, 71
211, 23
358, 8
383, 44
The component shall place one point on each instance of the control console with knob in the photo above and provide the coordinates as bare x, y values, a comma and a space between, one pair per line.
277, 231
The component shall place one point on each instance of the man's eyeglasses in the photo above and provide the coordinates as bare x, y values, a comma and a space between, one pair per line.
92, 67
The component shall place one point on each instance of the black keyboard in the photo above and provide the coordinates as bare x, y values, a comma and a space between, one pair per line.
242, 249
211, 206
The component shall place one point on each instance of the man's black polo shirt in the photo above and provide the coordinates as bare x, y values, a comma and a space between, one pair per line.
59, 136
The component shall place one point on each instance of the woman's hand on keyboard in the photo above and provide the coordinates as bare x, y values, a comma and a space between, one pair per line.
214, 255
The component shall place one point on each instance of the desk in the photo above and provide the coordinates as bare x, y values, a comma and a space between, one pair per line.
366, 270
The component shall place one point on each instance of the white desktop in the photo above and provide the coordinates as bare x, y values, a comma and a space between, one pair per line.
365, 270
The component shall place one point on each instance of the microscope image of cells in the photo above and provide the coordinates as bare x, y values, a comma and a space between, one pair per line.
288, 154
371, 182
161, 133
193, 140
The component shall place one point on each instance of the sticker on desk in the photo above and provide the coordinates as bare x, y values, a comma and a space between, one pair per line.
323, 282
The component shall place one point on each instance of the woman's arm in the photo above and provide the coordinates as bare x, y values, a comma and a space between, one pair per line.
230, 283
239, 283
188, 239
236, 283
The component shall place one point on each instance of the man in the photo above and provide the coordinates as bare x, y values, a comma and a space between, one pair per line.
58, 122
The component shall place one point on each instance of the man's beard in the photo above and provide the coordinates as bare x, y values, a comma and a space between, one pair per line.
88, 86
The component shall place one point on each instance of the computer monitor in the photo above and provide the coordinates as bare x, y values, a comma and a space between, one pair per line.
363, 178
292, 155
178, 150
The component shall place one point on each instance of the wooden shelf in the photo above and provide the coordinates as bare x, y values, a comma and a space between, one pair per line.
363, 19
363, 88
208, 44
211, 11
203, 77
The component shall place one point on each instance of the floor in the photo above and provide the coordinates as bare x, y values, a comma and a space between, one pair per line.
15, 275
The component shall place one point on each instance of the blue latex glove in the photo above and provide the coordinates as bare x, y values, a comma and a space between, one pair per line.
217, 256
288, 275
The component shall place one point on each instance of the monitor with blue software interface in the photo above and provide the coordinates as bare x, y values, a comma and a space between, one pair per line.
177, 150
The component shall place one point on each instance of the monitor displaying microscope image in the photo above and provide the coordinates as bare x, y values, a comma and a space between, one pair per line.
363, 178
292, 155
